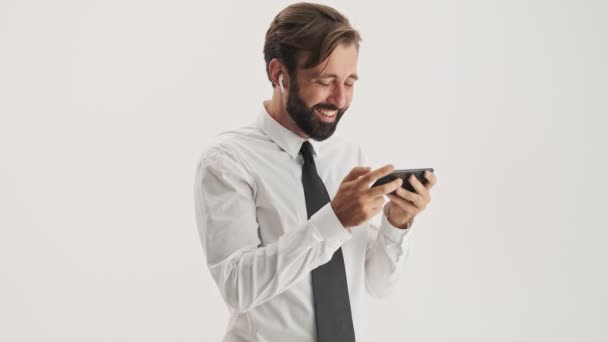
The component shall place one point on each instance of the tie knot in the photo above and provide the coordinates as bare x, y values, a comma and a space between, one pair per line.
306, 151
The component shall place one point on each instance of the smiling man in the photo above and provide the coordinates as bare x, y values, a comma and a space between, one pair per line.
283, 206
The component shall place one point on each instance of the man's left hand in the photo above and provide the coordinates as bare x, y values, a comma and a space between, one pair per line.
405, 205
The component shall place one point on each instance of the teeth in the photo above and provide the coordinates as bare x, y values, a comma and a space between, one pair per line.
327, 113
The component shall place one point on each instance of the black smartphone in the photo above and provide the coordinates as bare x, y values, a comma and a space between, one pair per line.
404, 175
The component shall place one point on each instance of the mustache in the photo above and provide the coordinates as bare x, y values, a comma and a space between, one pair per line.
327, 106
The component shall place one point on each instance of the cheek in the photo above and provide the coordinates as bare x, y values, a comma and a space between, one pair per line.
349, 94
314, 97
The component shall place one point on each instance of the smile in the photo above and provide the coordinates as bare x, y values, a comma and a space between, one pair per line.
327, 113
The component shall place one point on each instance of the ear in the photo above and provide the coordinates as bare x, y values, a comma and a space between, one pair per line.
276, 69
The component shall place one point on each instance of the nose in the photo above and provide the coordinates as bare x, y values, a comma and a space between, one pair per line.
338, 96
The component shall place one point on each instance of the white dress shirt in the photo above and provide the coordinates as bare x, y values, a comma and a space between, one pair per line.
260, 245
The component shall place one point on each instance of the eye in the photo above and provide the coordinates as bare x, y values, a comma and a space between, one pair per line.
324, 83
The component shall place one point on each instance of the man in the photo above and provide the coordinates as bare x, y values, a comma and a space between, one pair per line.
291, 264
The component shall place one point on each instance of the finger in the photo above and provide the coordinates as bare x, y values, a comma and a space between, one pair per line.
431, 178
403, 204
381, 190
373, 176
412, 197
420, 189
418, 186
356, 172
378, 202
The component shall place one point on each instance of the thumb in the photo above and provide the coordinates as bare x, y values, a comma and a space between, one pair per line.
356, 172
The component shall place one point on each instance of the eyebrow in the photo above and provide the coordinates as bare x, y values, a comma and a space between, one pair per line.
353, 76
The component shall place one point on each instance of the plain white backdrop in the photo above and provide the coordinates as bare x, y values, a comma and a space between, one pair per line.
106, 105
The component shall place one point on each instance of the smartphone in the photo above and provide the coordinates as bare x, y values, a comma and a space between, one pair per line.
404, 175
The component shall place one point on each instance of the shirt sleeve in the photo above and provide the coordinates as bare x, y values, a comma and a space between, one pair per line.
246, 273
387, 250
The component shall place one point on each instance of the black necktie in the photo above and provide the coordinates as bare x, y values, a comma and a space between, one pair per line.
332, 305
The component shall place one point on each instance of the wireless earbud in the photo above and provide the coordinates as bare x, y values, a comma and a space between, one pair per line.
281, 84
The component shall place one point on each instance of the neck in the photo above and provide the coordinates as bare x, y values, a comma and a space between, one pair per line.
276, 108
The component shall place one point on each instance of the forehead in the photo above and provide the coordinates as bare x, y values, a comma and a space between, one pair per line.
342, 62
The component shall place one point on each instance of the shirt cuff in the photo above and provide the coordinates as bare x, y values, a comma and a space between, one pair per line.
393, 233
328, 227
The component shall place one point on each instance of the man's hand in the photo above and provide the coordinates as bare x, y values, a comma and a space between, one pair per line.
405, 205
355, 203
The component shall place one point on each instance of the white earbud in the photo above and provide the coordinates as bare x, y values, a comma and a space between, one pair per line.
281, 84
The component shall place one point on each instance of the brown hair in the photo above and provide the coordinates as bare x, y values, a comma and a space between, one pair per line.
306, 27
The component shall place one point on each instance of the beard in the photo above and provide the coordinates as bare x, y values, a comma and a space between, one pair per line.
305, 117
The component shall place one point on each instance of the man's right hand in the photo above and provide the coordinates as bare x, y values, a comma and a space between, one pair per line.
356, 203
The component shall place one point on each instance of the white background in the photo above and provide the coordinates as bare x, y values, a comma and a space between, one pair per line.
106, 105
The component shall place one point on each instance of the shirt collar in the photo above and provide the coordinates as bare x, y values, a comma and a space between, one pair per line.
286, 139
